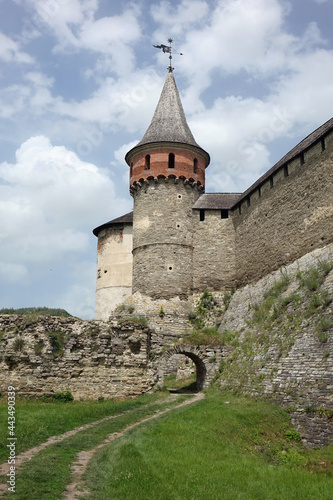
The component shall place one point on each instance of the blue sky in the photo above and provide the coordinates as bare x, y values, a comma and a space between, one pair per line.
79, 83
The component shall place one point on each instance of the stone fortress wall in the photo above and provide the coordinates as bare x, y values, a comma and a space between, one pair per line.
180, 251
214, 262
44, 355
287, 215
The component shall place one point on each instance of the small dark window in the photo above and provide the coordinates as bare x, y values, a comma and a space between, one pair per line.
302, 158
195, 165
323, 144
271, 182
202, 214
248, 201
171, 160
147, 164
224, 213
259, 191
240, 208
286, 170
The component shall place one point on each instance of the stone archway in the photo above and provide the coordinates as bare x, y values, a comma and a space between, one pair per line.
205, 359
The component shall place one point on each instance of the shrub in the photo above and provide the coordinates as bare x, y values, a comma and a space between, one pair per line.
227, 298
290, 458
38, 348
93, 331
42, 311
279, 286
324, 324
292, 435
325, 267
18, 344
206, 302
57, 340
64, 397
135, 320
309, 278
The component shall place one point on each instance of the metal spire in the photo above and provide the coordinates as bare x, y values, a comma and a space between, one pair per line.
168, 49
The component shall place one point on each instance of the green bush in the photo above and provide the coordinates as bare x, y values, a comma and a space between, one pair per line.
293, 435
38, 348
57, 340
18, 344
134, 320
64, 397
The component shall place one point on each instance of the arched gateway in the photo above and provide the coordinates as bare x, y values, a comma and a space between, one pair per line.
207, 360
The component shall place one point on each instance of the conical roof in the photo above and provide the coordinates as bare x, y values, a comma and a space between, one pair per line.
168, 123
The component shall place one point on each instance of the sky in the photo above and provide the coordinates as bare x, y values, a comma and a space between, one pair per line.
79, 82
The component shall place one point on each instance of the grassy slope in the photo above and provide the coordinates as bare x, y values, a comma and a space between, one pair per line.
212, 450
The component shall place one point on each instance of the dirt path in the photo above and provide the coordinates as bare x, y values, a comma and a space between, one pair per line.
74, 490
27, 455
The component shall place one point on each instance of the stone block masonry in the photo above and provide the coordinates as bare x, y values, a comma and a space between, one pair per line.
163, 238
44, 355
287, 360
214, 252
287, 216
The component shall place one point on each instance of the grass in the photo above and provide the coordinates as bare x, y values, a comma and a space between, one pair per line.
43, 311
182, 384
210, 336
212, 450
134, 320
46, 475
225, 446
36, 420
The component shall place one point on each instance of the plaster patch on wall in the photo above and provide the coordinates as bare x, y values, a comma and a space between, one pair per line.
143, 223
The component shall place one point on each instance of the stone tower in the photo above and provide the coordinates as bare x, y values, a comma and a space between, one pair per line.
167, 175
114, 265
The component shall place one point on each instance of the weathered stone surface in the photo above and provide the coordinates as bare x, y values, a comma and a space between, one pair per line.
90, 358
295, 368
287, 217
93, 360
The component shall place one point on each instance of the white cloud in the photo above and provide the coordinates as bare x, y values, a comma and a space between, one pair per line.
50, 201
175, 20
118, 104
79, 297
10, 51
75, 28
12, 272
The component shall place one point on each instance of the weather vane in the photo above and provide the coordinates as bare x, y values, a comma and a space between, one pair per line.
168, 49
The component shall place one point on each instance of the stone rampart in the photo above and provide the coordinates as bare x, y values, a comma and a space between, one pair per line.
44, 355
285, 357
287, 216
